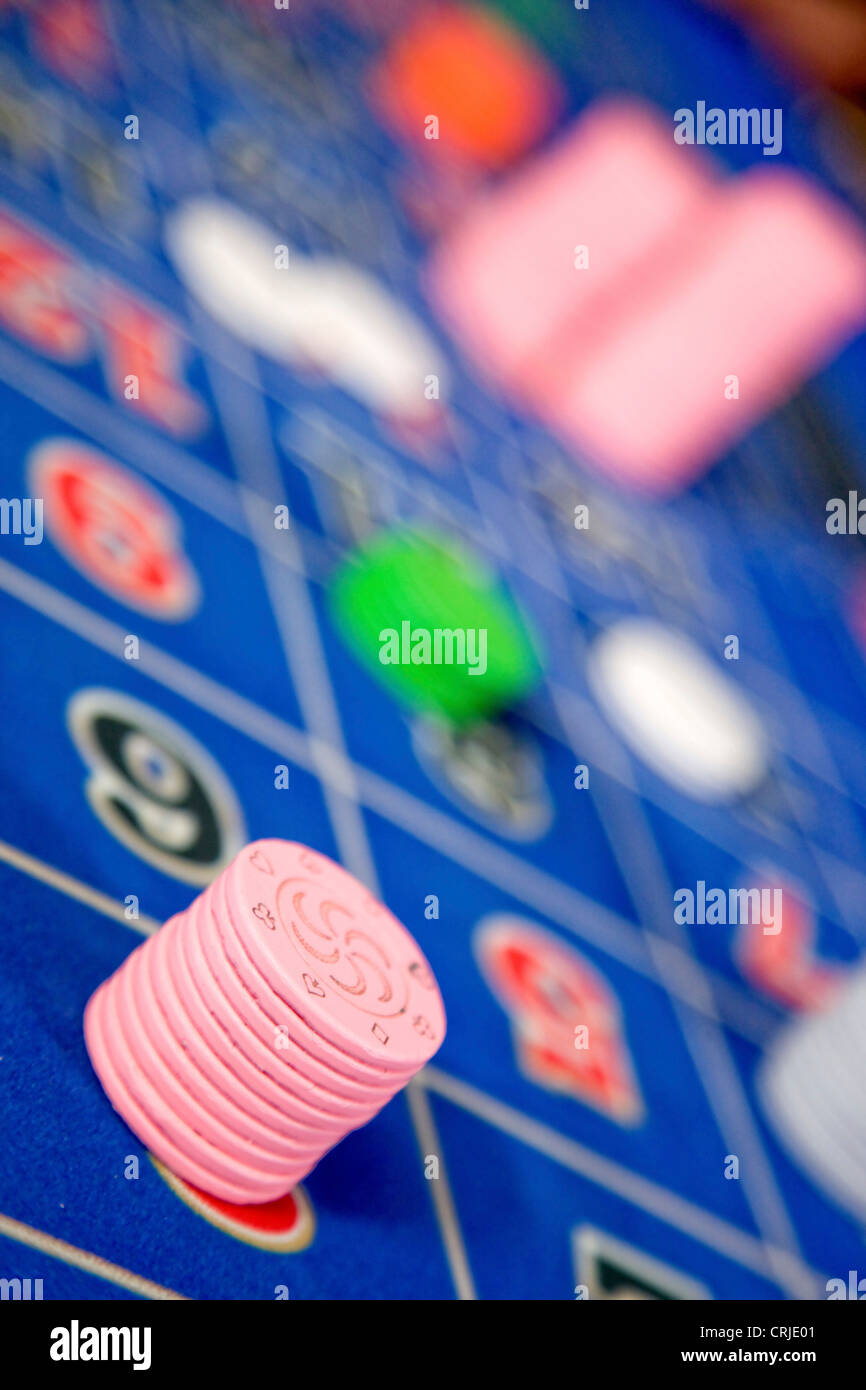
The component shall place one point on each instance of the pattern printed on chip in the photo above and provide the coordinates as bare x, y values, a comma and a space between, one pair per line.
271, 1039
336, 954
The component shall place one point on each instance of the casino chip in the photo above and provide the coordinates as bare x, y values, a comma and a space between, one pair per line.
434, 624
279, 1012
493, 93
320, 311
813, 1086
684, 717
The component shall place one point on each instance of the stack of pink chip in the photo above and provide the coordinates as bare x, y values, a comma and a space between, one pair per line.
281, 1010
648, 310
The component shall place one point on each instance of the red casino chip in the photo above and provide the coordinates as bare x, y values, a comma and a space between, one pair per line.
115, 528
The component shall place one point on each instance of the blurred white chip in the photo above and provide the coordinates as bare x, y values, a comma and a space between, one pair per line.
320, 311
679, 713
813, 1086
368, 342
227, 262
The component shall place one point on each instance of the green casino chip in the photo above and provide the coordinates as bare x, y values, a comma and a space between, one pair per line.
434, 624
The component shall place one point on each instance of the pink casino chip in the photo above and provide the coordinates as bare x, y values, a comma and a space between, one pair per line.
212, 1046
193, 1100
505, 280
648, 311
180, 1115
327, 947
206, 1046
722, 344
185, 1131
179, 1158
280, 1041
188, 1090
280, 1013
273, 1035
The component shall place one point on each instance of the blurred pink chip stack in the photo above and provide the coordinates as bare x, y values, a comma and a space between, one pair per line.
647, 310
281, 1010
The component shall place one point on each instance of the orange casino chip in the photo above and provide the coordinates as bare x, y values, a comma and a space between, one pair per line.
491, 93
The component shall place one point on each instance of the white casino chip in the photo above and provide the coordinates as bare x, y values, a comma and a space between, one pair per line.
368, 342
813, 1086
322, 311
226, 261
681, 715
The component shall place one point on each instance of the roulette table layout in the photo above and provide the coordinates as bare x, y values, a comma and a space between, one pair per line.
333, 338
